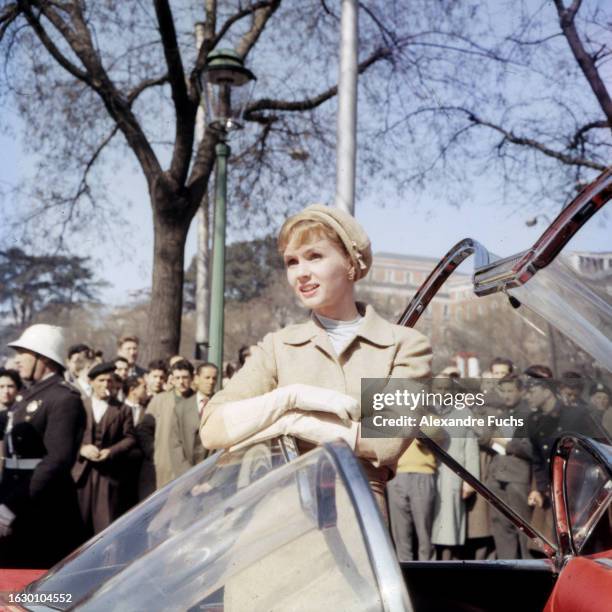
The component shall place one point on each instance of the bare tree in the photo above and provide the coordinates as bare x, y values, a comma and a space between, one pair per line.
440, 95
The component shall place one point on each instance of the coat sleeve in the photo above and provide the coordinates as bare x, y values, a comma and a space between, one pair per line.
257, 377
128, 437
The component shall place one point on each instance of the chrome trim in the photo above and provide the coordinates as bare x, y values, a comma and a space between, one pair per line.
447, 265
561, 453
395, 597
493, 276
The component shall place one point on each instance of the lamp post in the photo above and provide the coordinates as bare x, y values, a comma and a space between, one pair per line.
226, 86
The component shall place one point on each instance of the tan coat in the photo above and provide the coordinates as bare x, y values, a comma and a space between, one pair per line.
303, 354
162, 409
185, 444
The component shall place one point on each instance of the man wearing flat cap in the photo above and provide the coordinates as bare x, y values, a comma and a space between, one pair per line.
108, 438
39, 515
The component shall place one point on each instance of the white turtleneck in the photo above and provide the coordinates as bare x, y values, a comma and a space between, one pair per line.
340, 333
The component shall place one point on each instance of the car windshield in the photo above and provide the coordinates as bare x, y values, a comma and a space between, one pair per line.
560, 318
242, 531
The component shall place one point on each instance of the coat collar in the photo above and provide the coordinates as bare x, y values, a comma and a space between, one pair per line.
374, 329
41, 385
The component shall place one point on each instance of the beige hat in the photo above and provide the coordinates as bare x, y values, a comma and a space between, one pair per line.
349, 231
46, 340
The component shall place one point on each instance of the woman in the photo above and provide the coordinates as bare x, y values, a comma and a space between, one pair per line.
305, 380
10, 385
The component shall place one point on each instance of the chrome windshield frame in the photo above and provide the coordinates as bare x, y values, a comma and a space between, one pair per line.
560, 501
380, 549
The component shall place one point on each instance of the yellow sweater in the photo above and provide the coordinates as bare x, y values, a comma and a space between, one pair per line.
417, 458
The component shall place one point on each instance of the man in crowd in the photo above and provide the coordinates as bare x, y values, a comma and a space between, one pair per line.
157, 424
501, 367
186, 445
156, 377
411, 502
135, 391
509, 471
39, 515
77, 355
108, 437
601, 406
571, 387
128, 347
122, 367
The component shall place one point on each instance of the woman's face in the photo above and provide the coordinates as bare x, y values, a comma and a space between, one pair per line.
8, 390
318, 273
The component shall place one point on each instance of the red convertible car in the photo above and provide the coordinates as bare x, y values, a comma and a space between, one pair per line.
263, 528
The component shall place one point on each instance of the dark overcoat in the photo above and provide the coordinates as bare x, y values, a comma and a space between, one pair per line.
98, 483
47, 424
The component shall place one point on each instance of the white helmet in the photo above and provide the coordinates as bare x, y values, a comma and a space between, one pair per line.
46, 340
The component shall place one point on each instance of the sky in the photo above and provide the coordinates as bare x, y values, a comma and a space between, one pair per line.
414, 226
420, 224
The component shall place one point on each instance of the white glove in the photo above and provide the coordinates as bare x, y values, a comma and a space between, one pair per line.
235, 421
307, 397
5, 530
314, 427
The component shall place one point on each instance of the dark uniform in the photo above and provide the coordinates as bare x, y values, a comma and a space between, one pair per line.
509, 477
40, 448
545, 428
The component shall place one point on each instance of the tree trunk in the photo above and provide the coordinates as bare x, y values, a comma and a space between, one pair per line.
165, 311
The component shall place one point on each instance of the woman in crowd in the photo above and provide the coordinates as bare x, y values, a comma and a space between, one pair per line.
10, 385
305, 380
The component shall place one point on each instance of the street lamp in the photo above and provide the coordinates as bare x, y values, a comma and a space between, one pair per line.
226, 86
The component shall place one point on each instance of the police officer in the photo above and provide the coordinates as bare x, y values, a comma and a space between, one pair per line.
39, 517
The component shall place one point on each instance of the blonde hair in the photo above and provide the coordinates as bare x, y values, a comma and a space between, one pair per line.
304, 231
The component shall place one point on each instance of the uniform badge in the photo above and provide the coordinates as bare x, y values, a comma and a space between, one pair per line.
33, 406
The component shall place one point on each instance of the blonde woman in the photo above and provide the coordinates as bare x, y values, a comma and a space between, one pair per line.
305, 380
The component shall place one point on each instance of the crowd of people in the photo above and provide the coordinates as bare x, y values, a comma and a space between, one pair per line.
85, 439
120, 431
435, 515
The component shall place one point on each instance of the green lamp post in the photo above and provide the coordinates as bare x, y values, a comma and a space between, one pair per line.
226, 87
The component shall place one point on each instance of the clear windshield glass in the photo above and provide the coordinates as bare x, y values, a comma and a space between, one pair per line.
291, 539
589, 495
162, 517
573, 298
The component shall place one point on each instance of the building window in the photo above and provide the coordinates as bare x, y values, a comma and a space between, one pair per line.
379, 275
399, 277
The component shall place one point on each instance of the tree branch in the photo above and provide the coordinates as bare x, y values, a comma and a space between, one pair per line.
146, 84
310, 103
252, 8
585, 61
578, 137
185, 107
260, 19
530, 142
45, 39
8, 15
78, 38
